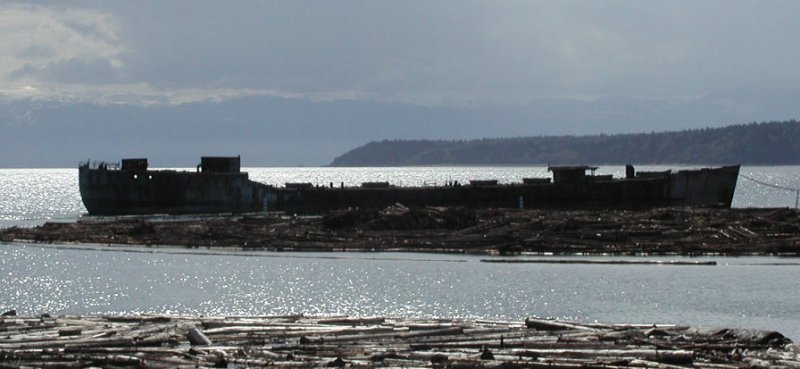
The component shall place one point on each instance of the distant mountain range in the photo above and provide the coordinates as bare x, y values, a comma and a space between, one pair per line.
773, 143
276, 131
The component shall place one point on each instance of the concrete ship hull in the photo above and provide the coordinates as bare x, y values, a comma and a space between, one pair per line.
106, 191
135, 191
703, 187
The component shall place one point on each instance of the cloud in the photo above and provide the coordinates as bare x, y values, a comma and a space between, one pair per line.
465, 52
71, 71
55, 44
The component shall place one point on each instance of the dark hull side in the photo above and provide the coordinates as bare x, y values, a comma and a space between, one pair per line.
123, 192
704, 187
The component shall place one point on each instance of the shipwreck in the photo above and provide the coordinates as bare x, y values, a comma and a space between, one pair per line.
219, 186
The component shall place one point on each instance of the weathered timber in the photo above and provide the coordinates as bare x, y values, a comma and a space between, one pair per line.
665, 231
246, 342
586, 261
196, 337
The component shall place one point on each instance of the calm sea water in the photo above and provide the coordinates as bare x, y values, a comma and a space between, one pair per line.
740, 292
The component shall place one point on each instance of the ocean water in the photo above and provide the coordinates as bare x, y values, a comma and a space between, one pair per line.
753, 292
32, 196
750, 292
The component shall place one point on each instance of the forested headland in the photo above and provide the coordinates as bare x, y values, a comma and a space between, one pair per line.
769, 143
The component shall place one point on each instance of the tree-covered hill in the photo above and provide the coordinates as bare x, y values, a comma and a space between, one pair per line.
773, 143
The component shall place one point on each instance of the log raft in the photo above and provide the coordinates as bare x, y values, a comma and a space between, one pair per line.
301, 341
665, 231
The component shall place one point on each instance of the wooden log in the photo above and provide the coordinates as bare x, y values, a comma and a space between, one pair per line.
593, 261
116, 360
671, 356
332, 331
196, 337
86, 342
434, 332
458, 344
49, 364
653, 364
137, 318
70, 331
787, 363
552, 325
424, 326
157, 339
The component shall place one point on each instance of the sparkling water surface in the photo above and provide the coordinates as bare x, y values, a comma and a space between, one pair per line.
754, 292
750, 292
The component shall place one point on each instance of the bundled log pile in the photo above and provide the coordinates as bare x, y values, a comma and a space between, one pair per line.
297, 341
685, 231
399, 217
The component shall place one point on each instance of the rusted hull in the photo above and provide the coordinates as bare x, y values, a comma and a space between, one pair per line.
119, 192
703, 187
122, 192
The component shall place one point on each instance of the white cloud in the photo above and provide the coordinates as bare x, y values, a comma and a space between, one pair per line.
45, 44
456, 53
140, 94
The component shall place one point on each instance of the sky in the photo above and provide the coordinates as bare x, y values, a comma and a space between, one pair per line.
430, 53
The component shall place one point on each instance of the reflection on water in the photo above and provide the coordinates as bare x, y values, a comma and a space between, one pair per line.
740, 292
30, 196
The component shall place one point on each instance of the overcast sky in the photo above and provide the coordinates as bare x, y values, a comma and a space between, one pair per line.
426, 52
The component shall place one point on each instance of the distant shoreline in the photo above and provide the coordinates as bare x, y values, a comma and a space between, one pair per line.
772, 143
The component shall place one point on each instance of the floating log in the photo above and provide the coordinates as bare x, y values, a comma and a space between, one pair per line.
72, 331
196, 337
552, 325
670, 356
299, 341
591, 261
353, 321
666, 231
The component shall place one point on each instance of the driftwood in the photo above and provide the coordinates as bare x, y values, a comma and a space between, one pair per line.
666, 231
196, 337
592, 261
243, 342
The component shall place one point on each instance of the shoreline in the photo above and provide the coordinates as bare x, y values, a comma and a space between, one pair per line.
157, 341
506, 232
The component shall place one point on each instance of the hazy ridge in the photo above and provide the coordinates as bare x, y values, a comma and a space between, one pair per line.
772, 143
270, 131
